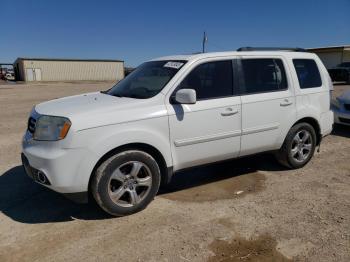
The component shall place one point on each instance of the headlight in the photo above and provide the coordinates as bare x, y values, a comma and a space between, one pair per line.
51, 128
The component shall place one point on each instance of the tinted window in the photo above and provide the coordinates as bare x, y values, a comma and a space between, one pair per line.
210, 80
263, 75
308, 74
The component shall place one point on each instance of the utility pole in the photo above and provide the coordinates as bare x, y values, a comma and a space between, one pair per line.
205, 40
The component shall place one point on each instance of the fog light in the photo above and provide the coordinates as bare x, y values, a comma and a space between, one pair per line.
41, 177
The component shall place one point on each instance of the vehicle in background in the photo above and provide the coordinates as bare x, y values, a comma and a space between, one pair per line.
9, 76
340, 73
6, 73
2, 73
341, 109
177, 112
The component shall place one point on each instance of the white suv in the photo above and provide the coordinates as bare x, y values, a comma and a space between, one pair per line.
177, 112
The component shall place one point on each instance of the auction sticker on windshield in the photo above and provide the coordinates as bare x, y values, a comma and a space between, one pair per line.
175, 65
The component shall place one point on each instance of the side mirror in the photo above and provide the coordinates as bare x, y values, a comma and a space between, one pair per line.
186, 96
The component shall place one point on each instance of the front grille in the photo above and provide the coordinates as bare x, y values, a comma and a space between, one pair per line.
31, 125
344, 120
347, 107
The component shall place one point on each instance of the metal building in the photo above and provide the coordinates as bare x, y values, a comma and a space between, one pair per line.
332, 55
44, 69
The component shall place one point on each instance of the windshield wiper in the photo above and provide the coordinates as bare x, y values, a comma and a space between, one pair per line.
116, 95
127, 96
136, 96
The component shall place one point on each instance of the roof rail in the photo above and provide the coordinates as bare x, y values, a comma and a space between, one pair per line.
249, 48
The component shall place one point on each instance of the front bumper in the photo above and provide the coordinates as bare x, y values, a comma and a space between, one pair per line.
34, 173
60, 166
41, 178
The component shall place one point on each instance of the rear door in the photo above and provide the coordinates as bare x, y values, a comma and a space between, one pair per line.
313, 97
268, 103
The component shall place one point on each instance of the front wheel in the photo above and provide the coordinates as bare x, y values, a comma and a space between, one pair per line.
298, 147
126, 182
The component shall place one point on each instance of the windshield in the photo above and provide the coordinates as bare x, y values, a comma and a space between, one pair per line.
147, 80
346, 64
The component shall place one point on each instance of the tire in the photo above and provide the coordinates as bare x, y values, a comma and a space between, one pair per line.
126, 182
298, 147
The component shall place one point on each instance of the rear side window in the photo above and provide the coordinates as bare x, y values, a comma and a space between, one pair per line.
263, 75
210, 80
308, 73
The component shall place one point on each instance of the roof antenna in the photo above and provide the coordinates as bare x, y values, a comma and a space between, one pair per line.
205, 40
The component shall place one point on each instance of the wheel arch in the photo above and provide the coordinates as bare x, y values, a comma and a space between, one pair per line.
166, 172
315, 124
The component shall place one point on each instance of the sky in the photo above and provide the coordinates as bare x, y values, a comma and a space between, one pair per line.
135, 31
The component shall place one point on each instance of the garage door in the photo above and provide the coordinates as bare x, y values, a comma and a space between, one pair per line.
29, 74
37, 74
33, 74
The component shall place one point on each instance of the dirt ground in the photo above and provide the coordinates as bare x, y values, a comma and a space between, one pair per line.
249, 209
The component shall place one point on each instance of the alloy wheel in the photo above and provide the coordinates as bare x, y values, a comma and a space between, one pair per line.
301, 145
130, 183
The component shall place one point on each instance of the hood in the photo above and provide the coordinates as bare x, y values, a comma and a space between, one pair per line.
345, 97
98, 109
81, 104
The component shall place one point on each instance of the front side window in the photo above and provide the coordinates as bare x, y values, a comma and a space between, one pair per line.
210, 80
147, 80
263, 75
307, 72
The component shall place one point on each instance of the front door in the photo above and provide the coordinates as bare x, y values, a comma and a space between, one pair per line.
209, 130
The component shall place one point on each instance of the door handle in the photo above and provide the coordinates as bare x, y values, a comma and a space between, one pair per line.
286, 102
229, 111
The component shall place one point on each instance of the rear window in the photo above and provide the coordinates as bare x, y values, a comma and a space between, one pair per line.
308, 73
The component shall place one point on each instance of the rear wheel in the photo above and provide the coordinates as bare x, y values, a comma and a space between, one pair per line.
298, 147
126, 182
